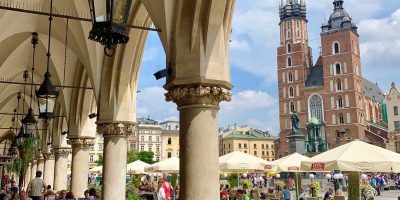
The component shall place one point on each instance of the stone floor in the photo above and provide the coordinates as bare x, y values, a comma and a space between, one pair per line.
389, 195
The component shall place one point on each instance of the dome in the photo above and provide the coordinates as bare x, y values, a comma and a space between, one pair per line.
346, 19
314, 121
339, 14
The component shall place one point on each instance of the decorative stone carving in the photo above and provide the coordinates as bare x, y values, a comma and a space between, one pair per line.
116, 129
200, 94
81, 142
48, 156
61, 151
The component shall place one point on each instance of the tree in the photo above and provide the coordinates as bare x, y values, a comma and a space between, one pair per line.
132, 156
146, 156
100, 161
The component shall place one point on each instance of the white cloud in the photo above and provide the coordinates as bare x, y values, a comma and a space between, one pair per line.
151, 101
240, 45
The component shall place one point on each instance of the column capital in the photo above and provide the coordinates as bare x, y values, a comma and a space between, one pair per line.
115, 129
201, 94
59, 151
48, 156
40, 158
81, 142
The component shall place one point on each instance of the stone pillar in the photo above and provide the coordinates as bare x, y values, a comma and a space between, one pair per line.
48, 175
80, 164
61, 168
115, 150
198, 108
28, 175
34, 169
40, 164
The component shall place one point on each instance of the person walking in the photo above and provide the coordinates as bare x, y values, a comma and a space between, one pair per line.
36, 187
159, 193
286, 193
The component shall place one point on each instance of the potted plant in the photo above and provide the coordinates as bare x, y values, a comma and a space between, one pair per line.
315, 189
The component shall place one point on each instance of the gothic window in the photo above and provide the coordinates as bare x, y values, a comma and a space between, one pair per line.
340, 102
338, 85
292, 108
288, 28
289, 48
341, 118
336, 48
291, 92
290, 77
337, 68
396, 110
315, 105
289, 61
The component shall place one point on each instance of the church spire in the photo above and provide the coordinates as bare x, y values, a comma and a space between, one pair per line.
338, 5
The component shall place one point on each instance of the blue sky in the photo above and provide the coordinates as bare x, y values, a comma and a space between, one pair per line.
255, 38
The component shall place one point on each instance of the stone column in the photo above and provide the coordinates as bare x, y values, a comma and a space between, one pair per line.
40, 164
198, 108
115, 150
80, 164
61, 168
28, 175
48, 175
34, 169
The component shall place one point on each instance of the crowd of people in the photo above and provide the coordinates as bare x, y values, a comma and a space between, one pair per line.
38, 190
157, 188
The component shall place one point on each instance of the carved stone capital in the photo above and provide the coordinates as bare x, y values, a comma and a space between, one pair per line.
61, 151
115, 129
198, 94
48, 156
81, 142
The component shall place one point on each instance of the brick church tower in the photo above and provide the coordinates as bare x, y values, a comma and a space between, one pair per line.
335, 104
294, 60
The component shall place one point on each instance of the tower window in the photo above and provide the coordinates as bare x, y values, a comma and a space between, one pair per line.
339, 85
340, 102
336, 48
290, 77
289, 48
341, 119
291, 92
289, 61
396, 110
292, 108
338, 71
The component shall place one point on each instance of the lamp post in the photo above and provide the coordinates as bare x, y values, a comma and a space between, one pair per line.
109, 23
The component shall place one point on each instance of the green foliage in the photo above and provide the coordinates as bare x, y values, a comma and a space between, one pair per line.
15, 166
354, 186
316, 189
146, 156
132, 194
246, 184
135, 180
174, 180
132, 156
233, 180
279, 184
100, 161
30, 148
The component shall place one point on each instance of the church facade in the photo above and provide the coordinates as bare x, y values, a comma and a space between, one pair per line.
333, 101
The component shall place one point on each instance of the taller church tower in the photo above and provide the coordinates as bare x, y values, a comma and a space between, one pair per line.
294, 60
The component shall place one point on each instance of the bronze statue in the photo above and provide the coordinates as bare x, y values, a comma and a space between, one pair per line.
295, 123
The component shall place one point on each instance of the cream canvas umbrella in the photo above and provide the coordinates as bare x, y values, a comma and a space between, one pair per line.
96, 169
355, 156
170, 165
290, 163
137, 167
241, 162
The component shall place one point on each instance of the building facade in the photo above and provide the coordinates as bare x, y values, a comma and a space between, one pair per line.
335, 104
393, 105
170, 139
149, 134
245, 139
96, 150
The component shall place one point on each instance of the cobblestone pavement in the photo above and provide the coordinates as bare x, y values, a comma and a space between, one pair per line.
389, 195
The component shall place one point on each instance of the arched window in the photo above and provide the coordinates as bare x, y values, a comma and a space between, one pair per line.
291, 92
289, 61
340, 102
289, 48
336, 48
292, 108
338, 85
341, 119
290, 77
338, 69
396, 110
315, 107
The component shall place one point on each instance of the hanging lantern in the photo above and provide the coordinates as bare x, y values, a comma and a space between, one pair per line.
46, 96
109, 23
29, 123
12, 151
20, 139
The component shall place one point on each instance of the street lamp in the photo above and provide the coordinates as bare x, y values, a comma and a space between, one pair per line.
109, 23
29, 124
47, 96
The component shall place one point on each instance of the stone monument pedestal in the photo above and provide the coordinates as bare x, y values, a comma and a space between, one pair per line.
296, 143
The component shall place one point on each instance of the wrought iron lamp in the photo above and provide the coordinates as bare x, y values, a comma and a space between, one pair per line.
110, 23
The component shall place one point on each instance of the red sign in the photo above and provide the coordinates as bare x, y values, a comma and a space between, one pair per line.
267, 167
317, 166
293, 168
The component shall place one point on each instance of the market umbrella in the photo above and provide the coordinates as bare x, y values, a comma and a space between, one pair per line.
290, 163
136, 167
170, 165
241, 162
355, 156
96, 169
